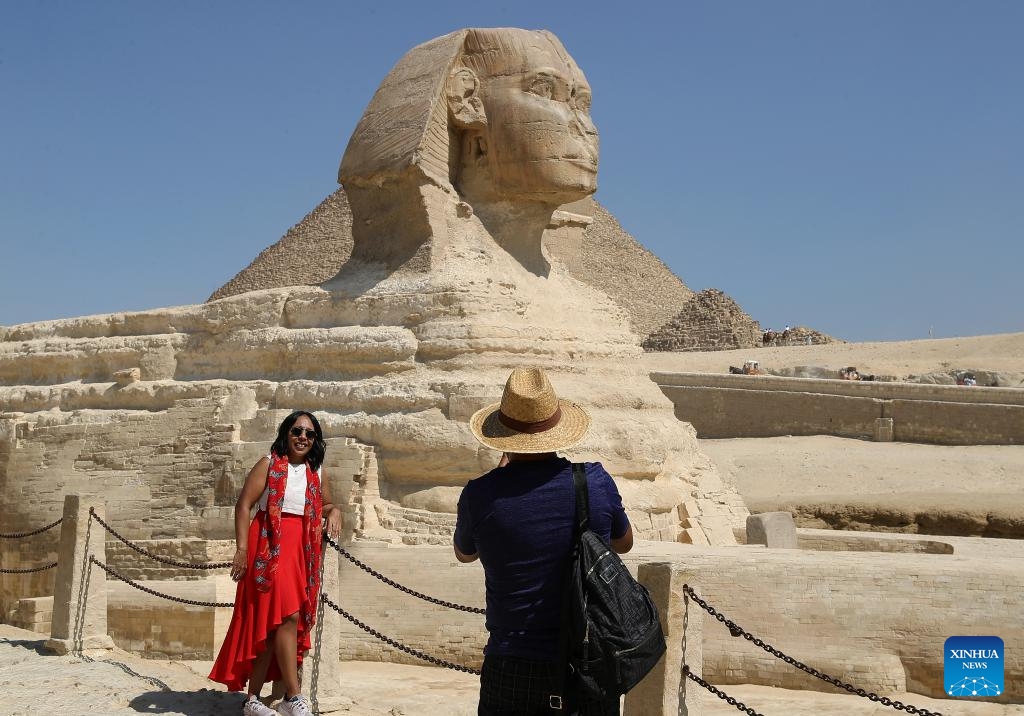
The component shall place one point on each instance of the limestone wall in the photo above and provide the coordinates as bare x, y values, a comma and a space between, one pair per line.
730, 413
433, 570
957, 423
23, 554
726, 406
161, 628
877, 620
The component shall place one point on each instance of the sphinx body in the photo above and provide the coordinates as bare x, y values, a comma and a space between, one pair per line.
466, 152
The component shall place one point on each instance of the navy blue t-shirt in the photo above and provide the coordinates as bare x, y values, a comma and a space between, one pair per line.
519, 518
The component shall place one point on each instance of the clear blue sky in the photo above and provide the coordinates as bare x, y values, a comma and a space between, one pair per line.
857, 167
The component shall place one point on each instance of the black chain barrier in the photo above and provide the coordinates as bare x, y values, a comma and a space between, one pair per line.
181, 600
719, 693
736, 630
391, 583
398, 645
166, 560
30, 533
27, 570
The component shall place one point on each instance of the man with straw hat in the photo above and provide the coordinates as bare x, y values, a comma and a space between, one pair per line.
518, 520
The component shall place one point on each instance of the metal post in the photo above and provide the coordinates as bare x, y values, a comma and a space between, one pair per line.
80, 591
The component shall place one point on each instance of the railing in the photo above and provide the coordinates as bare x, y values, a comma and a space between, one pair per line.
23, 535
87, 557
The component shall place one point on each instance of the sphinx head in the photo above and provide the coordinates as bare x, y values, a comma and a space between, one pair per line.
529, 136
496, 118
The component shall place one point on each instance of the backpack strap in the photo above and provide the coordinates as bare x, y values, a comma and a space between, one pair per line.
581, 521
579, 479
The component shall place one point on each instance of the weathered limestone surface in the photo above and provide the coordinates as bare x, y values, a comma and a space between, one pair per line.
469, 158
726, 406
583, 236
772, 529
79, 616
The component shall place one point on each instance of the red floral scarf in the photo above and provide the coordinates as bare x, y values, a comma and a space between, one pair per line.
268, 544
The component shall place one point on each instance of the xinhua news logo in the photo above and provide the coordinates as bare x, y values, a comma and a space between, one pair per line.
974, 666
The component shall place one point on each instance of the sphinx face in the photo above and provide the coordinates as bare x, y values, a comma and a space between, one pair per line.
539, 142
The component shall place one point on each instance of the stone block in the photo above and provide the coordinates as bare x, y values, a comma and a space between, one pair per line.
80, 591
772, 529
666, 691
688, 509
884, 431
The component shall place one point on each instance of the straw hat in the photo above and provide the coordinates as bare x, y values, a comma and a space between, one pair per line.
530, 417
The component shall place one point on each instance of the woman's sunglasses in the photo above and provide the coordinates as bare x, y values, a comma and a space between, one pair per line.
298, 432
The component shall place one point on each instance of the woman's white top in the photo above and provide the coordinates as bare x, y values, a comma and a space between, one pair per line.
294, 491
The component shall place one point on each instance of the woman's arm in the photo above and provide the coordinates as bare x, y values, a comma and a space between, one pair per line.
255, 483
332, 512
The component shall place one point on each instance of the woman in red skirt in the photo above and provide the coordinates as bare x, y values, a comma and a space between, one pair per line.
277, 567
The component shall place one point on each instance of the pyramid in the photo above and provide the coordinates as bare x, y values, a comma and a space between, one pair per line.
709, 321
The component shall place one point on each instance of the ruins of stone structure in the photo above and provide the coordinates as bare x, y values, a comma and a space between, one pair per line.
802, 335
709, 321
465, 154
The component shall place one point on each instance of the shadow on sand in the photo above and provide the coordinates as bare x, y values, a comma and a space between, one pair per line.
204, 702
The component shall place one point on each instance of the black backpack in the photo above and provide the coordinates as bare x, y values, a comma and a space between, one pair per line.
614, 635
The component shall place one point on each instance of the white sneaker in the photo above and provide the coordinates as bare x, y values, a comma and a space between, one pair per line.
255, 707
295, 706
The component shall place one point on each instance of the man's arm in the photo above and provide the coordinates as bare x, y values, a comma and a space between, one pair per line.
465, 558
622, 544
620, 522
463, 531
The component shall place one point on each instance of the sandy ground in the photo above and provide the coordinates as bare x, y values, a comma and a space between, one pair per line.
838, 483
998, 353
799, 472
32, 680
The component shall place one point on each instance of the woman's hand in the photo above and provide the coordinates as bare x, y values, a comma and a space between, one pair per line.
239, 564
332, 523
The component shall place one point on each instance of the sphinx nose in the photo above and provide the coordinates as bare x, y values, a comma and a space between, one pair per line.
584, 130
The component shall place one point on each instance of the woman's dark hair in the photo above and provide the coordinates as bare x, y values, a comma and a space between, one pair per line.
316, 453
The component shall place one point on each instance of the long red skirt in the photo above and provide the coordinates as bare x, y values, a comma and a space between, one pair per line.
257, 614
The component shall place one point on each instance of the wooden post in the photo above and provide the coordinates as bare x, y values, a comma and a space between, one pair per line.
80, 589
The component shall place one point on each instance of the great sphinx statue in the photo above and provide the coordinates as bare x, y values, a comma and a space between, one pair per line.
470, 145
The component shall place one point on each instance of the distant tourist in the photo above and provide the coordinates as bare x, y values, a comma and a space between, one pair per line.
518, 521
277, 567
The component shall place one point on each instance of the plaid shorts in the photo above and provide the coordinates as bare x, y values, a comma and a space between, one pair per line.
521, 687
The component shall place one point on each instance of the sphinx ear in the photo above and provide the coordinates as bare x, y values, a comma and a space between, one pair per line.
464, 105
